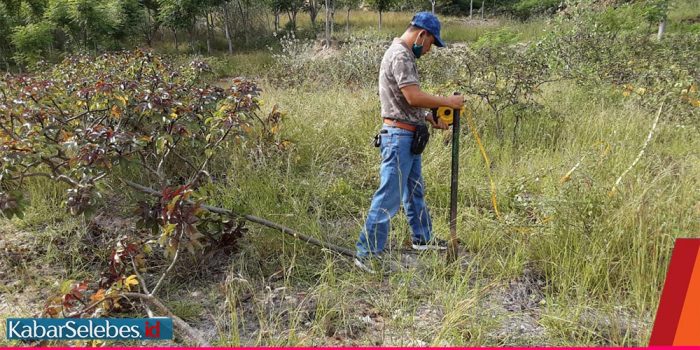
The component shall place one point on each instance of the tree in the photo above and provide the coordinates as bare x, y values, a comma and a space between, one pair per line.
180, 15
245, 21
96, 24
227, 29
292, 7
277, 6
92, 20
24, 11
131, 20
31, 41
381, 6
206, 8
30, 29
349, 5
5, 31
313, 7
152, 18
328, 23
656, 11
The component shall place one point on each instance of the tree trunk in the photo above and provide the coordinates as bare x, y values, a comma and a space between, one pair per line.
662, 30
177, 46
227, 31
328, 24
292, 14
482, 8
243, 21
149, 37
277, 21
471, 8
192, 33
432, 3
332, 19
209, 32
380, 20
313, 12
347, 23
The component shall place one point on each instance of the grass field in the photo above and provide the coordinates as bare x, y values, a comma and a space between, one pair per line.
591, 274
581, 267
568, 264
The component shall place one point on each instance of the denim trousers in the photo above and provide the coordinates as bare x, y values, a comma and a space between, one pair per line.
400, 182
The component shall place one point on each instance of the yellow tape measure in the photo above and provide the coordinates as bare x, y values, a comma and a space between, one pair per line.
446, 114
487, 161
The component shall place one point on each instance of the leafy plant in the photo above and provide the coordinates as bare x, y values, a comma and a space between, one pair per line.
637, 65
79, 121
31, 41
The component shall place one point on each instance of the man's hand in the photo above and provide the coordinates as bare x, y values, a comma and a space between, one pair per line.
439, 124
455, 101
417, 98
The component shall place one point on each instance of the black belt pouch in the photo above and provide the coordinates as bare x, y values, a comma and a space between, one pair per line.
420, 139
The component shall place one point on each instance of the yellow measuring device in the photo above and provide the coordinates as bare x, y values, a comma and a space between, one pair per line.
446, 114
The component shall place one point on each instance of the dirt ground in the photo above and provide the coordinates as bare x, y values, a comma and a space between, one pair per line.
263, 308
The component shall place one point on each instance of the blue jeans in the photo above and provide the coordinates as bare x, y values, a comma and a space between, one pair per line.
400, 181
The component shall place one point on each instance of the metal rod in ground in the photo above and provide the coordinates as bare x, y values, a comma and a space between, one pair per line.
286, 230
452, 247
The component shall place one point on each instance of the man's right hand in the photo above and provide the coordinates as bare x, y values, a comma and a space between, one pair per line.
455, 101
417, 98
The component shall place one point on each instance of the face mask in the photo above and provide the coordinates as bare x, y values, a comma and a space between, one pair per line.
418, 49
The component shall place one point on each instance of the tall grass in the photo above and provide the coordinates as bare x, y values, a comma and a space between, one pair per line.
684, 16
603, 259
597, 261
600, 260
454, 29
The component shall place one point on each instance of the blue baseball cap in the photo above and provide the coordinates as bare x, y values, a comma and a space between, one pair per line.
428, 21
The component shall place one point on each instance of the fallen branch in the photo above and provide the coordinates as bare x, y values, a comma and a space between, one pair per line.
144, 287
85, 309
567, 176
613, 191
162, 277
257, 220
178, 323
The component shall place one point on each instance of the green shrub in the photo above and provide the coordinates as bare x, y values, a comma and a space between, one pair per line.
497, 38
529, 8
301, 63
31, 41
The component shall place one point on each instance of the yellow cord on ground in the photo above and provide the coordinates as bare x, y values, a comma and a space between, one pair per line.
472, 126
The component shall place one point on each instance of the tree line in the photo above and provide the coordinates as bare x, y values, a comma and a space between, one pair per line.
36, 29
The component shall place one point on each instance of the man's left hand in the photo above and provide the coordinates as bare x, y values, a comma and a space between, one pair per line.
439, 124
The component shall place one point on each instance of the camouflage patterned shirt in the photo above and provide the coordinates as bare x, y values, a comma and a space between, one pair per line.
398, 70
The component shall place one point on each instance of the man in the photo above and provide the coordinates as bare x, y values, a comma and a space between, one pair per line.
403, 106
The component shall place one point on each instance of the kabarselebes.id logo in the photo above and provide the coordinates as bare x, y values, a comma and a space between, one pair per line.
95, 328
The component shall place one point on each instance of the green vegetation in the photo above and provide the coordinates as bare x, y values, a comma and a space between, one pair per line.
563, 103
